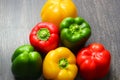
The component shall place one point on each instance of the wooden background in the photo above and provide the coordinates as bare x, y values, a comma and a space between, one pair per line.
17, 18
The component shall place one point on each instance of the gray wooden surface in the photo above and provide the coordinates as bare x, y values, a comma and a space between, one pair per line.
17, 18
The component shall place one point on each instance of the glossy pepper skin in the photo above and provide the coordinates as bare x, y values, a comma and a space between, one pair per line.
60, 64
74, 32
93, 61
44, 37
26, 63
55, 11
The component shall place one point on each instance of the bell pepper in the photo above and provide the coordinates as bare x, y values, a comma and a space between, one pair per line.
74, 32
93, 61
60, 64
54, 11
26, 63
44, 37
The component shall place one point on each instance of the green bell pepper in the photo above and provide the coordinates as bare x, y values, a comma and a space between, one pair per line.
26, 63
74, 32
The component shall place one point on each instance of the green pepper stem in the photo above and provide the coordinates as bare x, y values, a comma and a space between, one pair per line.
43, 34
74, 28
63, 63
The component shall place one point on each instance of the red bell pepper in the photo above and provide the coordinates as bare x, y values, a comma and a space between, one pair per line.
44, 37
93, 61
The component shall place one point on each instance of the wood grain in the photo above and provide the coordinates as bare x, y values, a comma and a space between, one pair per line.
17, 18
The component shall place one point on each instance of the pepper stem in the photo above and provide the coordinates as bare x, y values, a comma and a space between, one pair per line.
63, 63
43, 34
74, 28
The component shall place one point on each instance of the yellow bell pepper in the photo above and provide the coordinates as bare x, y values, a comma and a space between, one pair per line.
55, 11
60, 64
